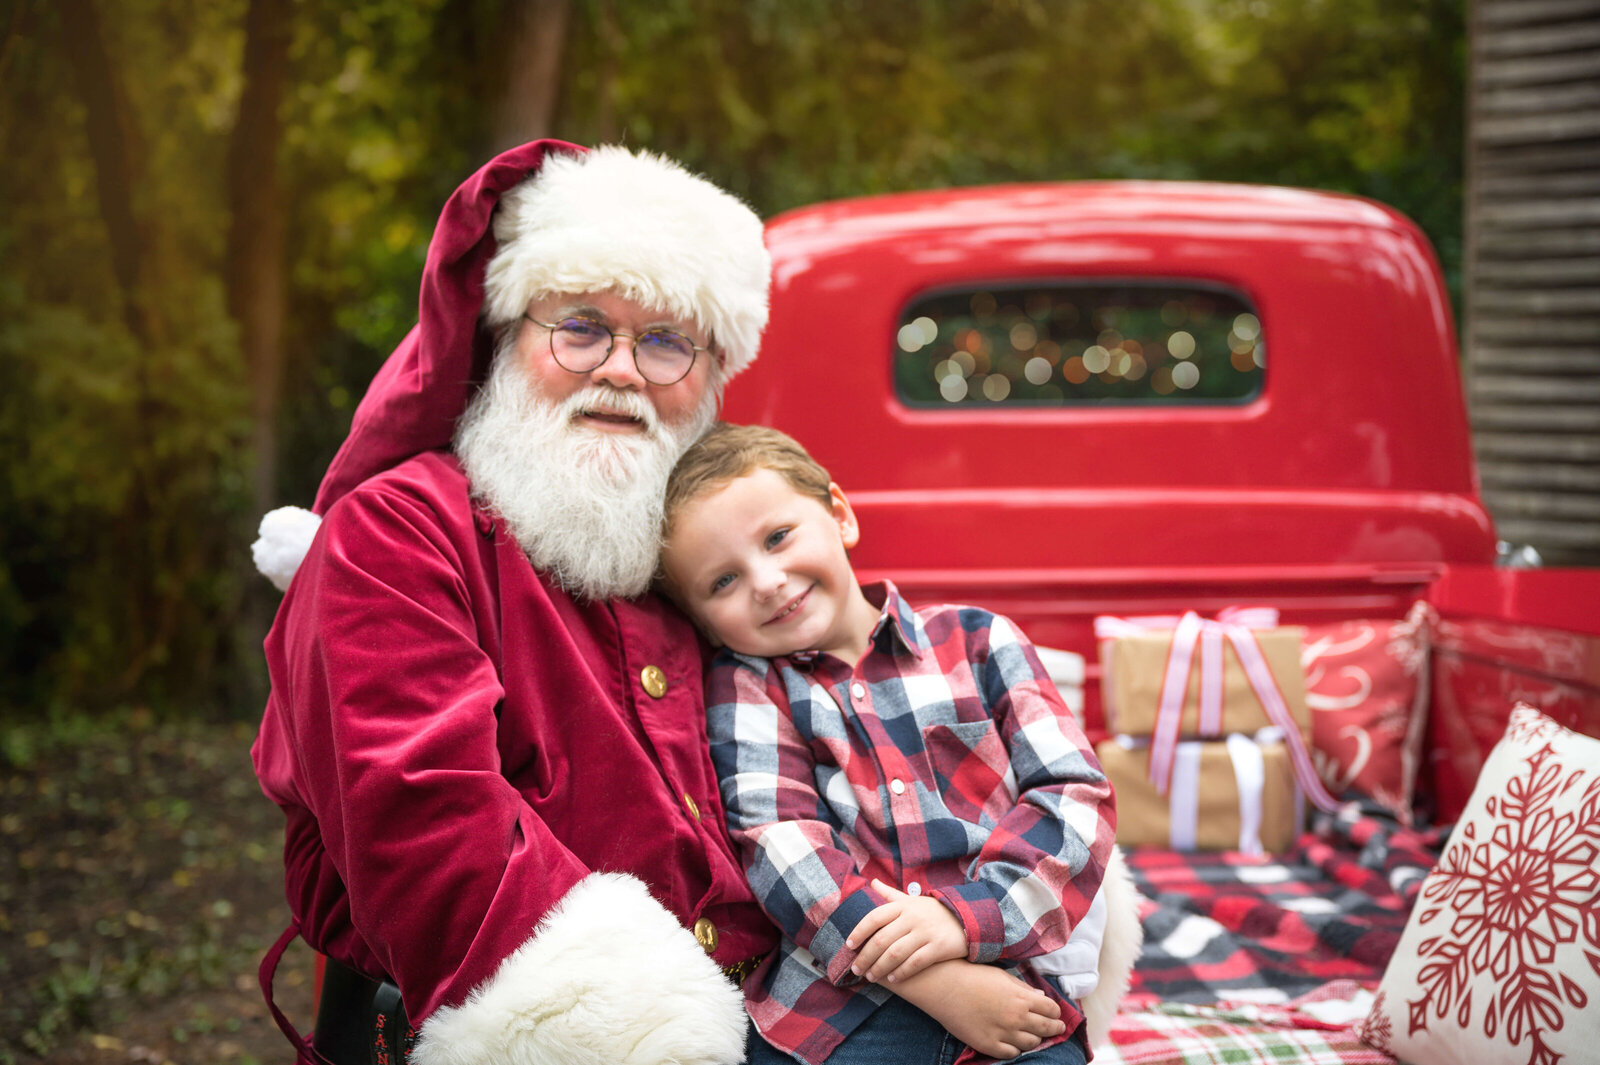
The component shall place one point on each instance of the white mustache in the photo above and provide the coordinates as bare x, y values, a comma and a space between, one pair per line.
594, 398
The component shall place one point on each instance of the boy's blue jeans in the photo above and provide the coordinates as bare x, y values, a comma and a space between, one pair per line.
898, 1033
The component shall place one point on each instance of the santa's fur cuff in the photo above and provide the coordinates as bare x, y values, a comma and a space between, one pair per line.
608, 976
1124, 939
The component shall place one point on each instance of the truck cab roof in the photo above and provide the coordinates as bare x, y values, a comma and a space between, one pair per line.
1343, 446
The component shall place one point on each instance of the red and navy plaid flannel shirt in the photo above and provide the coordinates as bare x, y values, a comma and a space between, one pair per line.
944, 763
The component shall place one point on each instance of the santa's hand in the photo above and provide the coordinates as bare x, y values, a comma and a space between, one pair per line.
904, 936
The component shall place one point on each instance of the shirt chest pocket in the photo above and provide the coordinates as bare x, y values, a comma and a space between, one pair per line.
971, 770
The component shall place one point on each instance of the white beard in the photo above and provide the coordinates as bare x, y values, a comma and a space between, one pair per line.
583, 503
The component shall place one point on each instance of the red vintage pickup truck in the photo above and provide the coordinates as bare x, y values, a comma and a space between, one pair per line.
1133, 398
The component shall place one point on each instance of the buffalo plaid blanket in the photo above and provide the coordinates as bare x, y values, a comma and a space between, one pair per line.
1270, 959
1296, 1032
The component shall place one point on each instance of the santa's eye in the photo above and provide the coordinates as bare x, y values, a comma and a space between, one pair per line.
581, 332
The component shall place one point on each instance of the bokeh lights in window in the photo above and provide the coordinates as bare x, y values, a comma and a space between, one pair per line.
1074, 342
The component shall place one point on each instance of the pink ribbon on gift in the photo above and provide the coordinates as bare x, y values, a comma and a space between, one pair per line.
1189, 632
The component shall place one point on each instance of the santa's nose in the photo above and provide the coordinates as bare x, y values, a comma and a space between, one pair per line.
619, 369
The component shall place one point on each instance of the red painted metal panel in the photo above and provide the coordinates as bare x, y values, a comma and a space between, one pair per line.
1556, 598
1474, 690
1360, 429
1507, 636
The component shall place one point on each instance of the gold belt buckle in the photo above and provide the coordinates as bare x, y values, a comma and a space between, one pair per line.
739, 970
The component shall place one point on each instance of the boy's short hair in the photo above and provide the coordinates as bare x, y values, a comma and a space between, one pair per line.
727, 452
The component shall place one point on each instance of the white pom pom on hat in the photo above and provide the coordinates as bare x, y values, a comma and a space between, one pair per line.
283, 539
640, 225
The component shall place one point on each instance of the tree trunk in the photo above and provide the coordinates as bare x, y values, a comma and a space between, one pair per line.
117, 149
13, 29
612, 42
255, 270
118, 153
533, 65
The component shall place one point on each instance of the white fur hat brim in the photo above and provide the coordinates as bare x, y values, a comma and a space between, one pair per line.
639, 225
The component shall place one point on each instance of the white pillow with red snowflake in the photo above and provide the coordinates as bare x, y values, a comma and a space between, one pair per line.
1500, 961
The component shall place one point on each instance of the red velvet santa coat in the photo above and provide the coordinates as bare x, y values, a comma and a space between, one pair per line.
458, 744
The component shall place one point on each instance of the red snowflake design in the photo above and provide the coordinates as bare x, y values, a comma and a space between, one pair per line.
1512, 899
1377, 1029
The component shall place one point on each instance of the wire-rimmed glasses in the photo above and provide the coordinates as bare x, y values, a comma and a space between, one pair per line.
582, 345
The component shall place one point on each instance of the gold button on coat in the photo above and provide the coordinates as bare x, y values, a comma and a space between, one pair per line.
691, 805
654, 681
706, 934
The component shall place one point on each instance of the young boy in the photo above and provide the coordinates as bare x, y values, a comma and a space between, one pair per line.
864, 748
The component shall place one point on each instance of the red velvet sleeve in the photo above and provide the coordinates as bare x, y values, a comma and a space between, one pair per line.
386, 693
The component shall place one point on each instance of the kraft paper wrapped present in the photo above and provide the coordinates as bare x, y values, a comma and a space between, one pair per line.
1194, 639
1143, 660
1234, 794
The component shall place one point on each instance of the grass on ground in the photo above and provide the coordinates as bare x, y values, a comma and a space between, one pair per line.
140, 883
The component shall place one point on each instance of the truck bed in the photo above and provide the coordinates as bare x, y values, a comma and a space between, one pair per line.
1052, 467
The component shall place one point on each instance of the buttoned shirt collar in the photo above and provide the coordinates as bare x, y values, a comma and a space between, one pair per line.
896, 618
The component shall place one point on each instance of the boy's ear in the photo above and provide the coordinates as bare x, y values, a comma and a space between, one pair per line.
849, 531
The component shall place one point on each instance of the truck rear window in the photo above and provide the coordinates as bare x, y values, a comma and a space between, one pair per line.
1070, 343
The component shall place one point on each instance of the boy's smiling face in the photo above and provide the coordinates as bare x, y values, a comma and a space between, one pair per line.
763, 569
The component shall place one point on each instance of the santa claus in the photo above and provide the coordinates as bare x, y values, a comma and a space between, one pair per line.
486, 735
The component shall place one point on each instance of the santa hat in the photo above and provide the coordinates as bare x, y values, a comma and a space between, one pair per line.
638, 225
541, 219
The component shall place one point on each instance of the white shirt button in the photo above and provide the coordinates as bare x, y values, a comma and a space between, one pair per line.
897, 786
858, 690
913, 888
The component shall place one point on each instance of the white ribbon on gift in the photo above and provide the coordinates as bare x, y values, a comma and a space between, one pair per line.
1249, 775
1191, 631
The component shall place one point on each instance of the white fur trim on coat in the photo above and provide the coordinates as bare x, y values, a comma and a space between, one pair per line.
1124, 939
609, 976
282, 541
638, 225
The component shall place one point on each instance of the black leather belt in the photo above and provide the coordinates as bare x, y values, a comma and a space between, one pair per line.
361, 1021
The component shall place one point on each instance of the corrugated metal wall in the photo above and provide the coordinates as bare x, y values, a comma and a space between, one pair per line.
1532, 268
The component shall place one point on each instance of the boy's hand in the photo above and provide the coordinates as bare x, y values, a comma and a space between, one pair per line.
904, 936
985, 1007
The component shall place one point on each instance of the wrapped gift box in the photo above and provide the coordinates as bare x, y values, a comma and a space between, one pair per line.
1133, 671
1066, 669
1236, 794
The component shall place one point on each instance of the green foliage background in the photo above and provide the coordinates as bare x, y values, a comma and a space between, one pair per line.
125, 511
